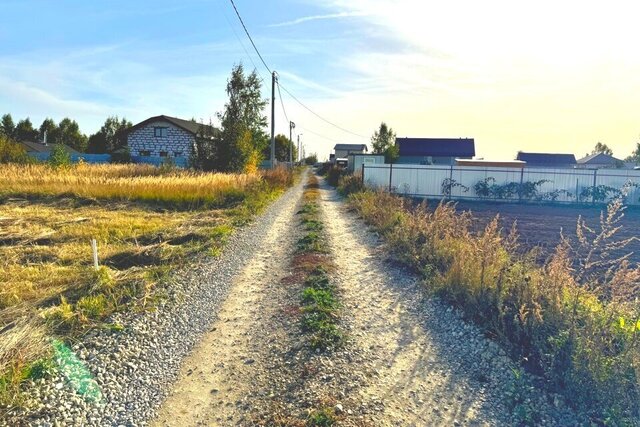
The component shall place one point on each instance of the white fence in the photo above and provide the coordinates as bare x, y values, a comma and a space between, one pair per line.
506, 184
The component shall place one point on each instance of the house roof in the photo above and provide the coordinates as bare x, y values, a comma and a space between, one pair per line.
598, 158
38, 147
550, 159
358, 147
437, 147
188, 125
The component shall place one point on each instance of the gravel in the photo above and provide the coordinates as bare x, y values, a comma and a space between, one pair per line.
125, 375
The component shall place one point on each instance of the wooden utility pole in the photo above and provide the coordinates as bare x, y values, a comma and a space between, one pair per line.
273, 120
292, 126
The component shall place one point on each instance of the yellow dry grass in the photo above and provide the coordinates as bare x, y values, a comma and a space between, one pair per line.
147, 221
126, 182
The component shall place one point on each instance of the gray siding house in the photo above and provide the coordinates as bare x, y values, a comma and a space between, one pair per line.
163, 136
343, 150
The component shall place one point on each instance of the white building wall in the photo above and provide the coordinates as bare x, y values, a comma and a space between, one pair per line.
177, 140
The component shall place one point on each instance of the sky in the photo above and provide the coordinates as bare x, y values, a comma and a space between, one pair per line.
547, 76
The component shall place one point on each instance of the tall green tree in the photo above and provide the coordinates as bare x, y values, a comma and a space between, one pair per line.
601, 148
7, 126
242, 122
383, 142
111, 136
283, 144
49, 127
204, 153
24, 131
68, 133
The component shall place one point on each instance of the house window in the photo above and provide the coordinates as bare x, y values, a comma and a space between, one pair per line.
160, 132
177, 154
164, 153
145, 153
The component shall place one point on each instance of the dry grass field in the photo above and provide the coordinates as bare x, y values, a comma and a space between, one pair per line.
147, 221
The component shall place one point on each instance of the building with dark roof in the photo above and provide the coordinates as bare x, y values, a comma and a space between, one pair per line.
434, 151
165, 136
600, 161
32, 147
342, 151
547, 160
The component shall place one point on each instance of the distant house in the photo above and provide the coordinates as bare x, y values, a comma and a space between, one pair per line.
600, 161
547, 160
434, 151
342, 151
163, 136
40, 149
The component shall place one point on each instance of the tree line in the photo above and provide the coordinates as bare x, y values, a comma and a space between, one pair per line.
110, 137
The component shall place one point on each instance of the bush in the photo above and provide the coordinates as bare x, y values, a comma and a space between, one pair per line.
311, 160
59, 157
349, 184
334, 174
576, 326
12, 152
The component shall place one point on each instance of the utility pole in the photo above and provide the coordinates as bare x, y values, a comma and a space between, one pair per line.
299, 152
273, 120
292, 126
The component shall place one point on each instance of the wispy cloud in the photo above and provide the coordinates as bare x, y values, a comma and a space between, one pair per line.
318, 18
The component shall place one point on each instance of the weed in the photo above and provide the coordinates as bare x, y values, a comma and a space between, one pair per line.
324, 417
573, 319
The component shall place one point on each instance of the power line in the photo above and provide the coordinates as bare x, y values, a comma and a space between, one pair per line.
284, 88
320, 117
249, 35
240, 41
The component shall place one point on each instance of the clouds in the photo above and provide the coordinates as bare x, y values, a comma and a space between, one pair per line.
309, 18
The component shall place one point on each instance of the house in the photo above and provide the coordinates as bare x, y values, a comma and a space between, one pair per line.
547, 160
514, 164
164, 136
600, 161
434, 151
40, 149
342, 151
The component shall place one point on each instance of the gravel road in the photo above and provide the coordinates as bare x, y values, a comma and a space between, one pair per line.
130, 372
231, 351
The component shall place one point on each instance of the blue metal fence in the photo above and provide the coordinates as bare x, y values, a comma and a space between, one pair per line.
181, 162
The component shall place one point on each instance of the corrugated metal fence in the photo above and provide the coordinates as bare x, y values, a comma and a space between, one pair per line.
505, 184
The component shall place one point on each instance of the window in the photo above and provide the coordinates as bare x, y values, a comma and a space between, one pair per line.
164, 154
160, 132
177, 154
145, 153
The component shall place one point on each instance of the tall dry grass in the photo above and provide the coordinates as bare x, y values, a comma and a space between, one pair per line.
574, 320
47, 282
126, 182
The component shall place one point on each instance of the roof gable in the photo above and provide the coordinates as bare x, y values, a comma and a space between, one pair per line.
359, 147
598, 158
187, 125
437, 147
547, 158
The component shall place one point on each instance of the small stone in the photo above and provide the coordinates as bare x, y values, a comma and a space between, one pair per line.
338, 408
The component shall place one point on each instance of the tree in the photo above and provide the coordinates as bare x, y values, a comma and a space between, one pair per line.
68, 133
7, 126
49, 127
283, 145
12, 152
635, 155
243, 113
204, 152
601, 148
383, 141
24, 131
111, 136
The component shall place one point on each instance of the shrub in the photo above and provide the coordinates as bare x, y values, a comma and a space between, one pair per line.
59, 157
334, 174
350, 184
579, 327
12, 152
